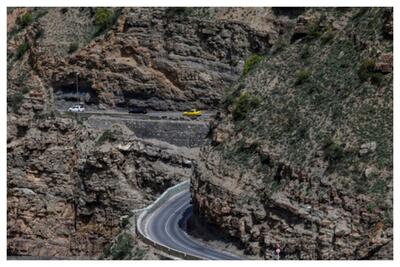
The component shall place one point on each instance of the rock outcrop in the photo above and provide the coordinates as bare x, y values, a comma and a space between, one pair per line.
158, 58
68, 186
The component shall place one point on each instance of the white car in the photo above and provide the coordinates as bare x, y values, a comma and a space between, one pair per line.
76, 108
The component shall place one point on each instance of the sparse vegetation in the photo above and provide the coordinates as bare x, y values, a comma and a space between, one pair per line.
280, 44
15, 101
122, 248
39, 33
378, 187
265, 159
228, 100
230, 95
314, 30
21, 50
107, 135
371, 206
24, 20
367, 72
105, 18
333, 151
305, 52
302, 76
327, 36
250, 63
73, 47
366, 68
179, 11
124, 222
244, 104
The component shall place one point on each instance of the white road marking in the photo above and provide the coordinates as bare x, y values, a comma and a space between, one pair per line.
150, 235
177, 241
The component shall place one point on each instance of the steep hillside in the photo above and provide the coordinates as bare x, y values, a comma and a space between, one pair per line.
301, 153
161, 58
68, 184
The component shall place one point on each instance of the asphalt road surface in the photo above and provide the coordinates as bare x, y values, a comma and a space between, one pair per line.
151, 114
167, 226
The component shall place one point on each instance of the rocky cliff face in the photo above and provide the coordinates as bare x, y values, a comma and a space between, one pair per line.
68, 186
301, 154
160, 58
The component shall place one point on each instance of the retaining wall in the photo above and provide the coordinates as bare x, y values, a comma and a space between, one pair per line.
179, 133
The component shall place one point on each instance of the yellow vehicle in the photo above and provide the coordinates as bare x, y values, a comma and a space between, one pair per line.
192, 113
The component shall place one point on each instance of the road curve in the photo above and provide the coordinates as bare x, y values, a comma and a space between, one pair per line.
167, 226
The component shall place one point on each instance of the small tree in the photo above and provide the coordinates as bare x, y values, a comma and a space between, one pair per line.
302, 76
103, 17
244, 104
251, 62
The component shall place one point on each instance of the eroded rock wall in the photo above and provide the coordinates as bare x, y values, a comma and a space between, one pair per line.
68, 188
156, 58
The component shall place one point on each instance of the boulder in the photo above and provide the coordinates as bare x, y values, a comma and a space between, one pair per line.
367, 148
342, 228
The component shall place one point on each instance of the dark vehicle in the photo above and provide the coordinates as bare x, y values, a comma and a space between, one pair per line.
137, 110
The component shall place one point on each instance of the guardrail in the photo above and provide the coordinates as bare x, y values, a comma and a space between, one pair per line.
143, 213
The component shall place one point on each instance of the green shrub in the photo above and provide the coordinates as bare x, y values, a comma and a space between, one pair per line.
244, 104
122, 248
367, 72
107, 135
139, 254
305, 52
73, 47
251, 62
376, 78
333, 152
15, 101
265, 159
327, 36
39, 33
280, 44
103, 17
366, 68
231, 94
25, 89
179, 11
228, 100
302, 76
124, 221
313, 30
378, 187
24, 20
21, 50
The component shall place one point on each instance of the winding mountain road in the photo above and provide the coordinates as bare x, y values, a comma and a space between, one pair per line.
167, 226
